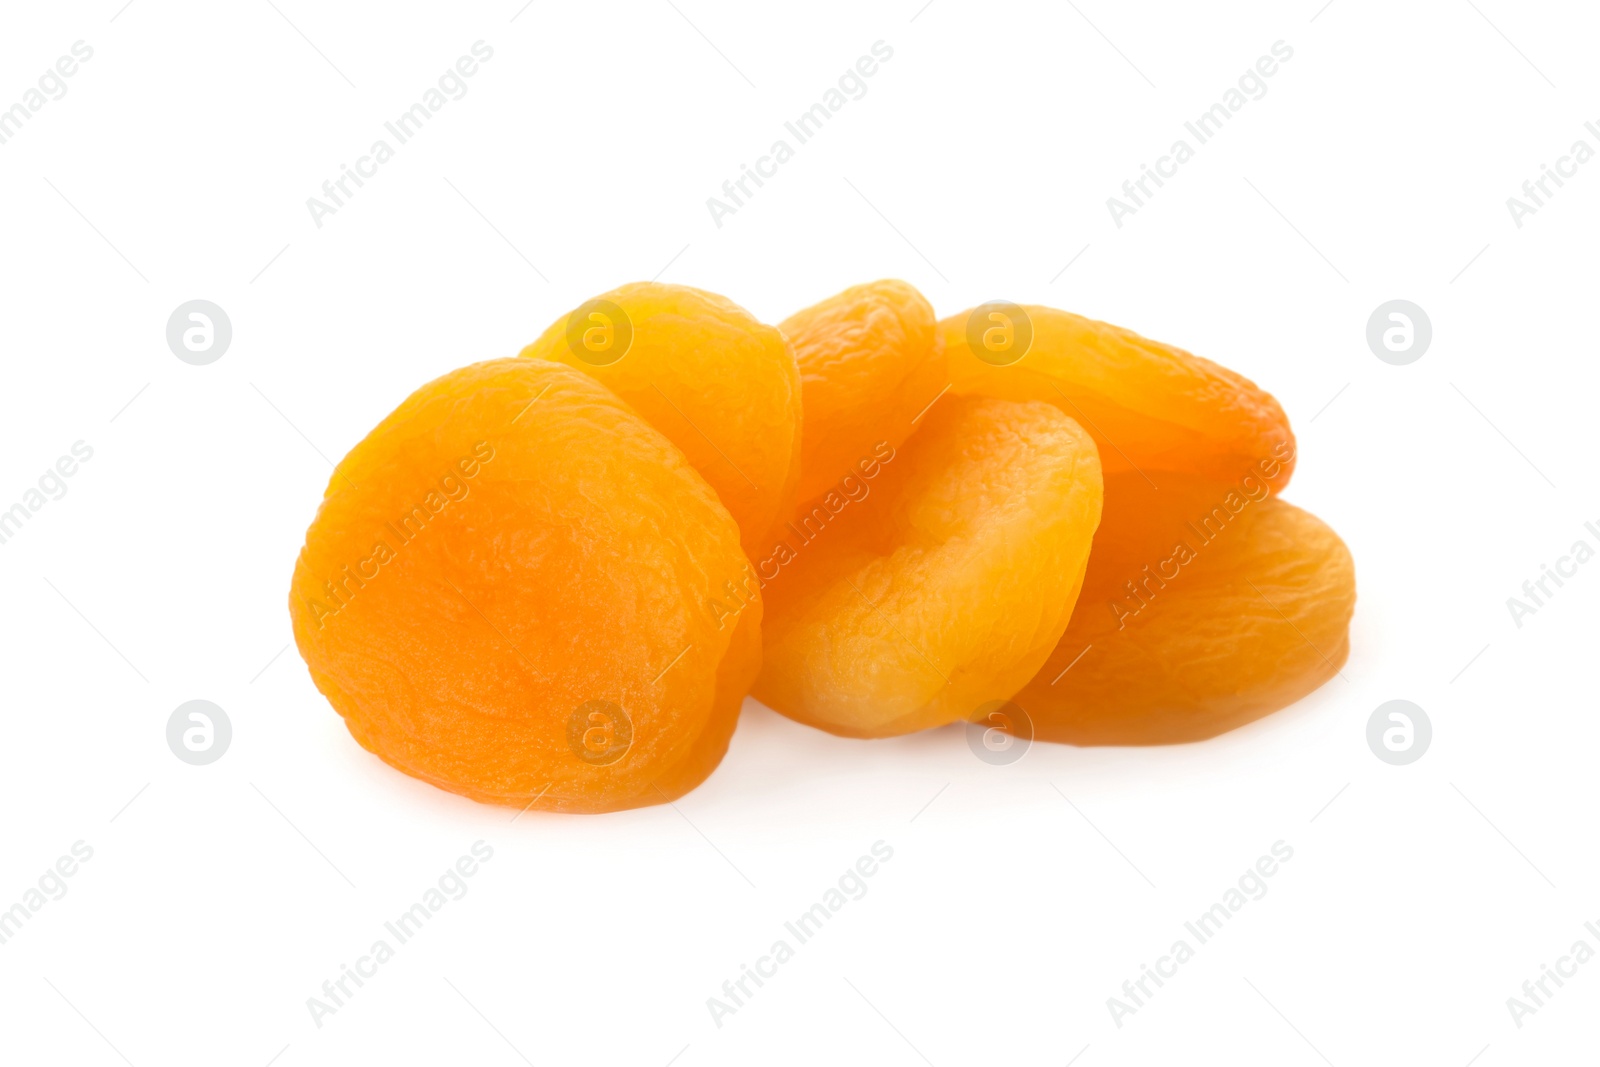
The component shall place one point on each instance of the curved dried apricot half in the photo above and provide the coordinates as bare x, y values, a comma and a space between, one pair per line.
938, 580
1206, 606
1150, 406
870, 363
507, 592
699, 368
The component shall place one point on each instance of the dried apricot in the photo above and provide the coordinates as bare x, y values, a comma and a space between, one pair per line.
1206, 606
699, 368
1149, 406
870, 363
939, 579
507, 592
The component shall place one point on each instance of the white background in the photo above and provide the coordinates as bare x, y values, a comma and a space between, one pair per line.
977, 166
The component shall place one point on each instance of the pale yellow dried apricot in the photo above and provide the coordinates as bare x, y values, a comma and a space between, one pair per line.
936, 581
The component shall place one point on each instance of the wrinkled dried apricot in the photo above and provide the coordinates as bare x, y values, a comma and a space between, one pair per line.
506, 592
721, 386
1206, 606
938, 580
1149, 406
549, 581
870, 363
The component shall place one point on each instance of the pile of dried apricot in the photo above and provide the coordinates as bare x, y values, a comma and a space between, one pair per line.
549, 581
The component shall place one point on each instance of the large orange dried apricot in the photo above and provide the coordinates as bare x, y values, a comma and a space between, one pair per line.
699, 368
508, 590
870, 363
1206, 606
1150, 406
938, 580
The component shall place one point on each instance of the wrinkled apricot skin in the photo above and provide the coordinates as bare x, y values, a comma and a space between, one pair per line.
1149, 406
511, 546
721, 386
870, 362
1205, 607
944, 584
